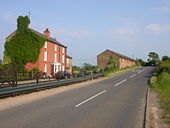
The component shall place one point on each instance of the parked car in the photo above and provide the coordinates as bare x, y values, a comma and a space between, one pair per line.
63, 75
82, 73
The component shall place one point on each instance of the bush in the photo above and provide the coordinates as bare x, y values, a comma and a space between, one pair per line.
164, 67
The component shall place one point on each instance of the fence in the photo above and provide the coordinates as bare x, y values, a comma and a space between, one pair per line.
5, 92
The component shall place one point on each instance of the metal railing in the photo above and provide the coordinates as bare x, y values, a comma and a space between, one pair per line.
12, 91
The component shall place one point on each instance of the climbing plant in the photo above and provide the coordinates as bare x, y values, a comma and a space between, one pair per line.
24, 46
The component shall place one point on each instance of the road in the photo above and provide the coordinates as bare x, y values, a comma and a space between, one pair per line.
116, 102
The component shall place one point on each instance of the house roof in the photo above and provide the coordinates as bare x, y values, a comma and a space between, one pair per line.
118, 54
42, 35
68, 56
48, 38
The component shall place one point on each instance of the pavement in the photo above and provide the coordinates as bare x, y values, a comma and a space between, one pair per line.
116, 102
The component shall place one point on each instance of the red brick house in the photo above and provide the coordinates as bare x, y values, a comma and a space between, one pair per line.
52, 57
121, 60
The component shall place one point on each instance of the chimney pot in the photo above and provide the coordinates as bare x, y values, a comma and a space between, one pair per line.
47, 32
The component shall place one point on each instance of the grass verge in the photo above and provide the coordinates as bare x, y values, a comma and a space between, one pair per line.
161, 84
118, 71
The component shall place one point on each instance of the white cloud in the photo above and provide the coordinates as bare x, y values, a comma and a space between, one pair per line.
124, 31
75, 33
162, 9
157, 28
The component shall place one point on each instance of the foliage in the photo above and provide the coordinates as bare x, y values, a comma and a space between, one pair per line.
153, 58
141, 62
164, 67
116, 71
112, 63
0, 61
87, 66
24, 46
35, 70
161, 83
165, 58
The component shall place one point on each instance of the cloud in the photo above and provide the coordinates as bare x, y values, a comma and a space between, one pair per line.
162, 9
124, 31
74, 33
157, 28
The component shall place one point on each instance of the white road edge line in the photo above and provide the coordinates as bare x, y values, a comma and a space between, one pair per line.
120, 82
132, 76
90, 98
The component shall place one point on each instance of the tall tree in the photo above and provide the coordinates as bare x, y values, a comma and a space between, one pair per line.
153, 58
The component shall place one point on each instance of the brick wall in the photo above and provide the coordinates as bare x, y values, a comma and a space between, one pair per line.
122, 62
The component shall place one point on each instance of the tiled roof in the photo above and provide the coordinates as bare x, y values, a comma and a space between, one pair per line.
68, 56
118, 54
42, 35
48, 38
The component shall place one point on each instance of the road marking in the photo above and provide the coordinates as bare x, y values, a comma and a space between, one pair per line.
90, 98
120, 82
132, 76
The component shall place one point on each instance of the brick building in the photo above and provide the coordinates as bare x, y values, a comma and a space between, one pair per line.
121, 60
52, 56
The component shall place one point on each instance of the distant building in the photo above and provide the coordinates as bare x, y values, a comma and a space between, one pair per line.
121, 60
52, 56
69, 64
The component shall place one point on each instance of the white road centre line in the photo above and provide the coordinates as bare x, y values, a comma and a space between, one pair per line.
90, 98
132, 76
120, 82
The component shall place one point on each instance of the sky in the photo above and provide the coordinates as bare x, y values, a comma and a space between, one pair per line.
88, 27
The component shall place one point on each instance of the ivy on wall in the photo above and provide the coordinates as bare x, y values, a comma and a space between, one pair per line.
24, 46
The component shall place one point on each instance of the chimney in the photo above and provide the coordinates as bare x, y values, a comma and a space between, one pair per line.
55, 39
47, 32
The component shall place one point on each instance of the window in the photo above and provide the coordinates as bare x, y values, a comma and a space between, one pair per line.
55, 57
55, 47
45, 45
45, 68
63, 50
63, 59
45, 56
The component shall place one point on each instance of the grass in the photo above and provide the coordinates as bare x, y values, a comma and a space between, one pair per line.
118, 71
161, 84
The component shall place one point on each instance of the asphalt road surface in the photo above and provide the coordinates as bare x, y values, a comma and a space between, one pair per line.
117, 102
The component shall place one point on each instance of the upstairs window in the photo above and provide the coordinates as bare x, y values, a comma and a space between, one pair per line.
63, 59
45, 45
63, 50
45, 56
55, 47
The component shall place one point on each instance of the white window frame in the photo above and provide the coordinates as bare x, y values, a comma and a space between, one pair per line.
46, 44
63, 59
45, 56
55, 57
63, 50
45, 68
55, 47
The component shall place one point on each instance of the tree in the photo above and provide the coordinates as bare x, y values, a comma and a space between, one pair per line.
141, 62
24, 46
164, 58
0, 61
153, 58
87, 66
